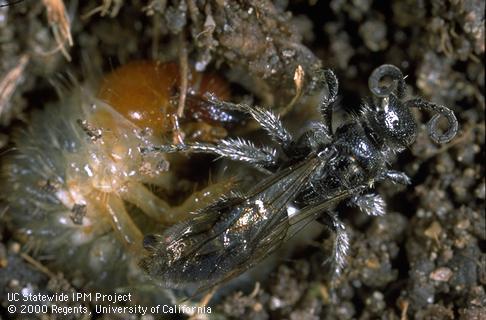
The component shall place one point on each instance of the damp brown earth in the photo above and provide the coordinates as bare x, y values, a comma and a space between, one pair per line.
425, 259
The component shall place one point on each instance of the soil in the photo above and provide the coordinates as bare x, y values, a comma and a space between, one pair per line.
425, 259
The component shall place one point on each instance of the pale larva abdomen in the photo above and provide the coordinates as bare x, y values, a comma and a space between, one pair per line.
80, 192
42, 204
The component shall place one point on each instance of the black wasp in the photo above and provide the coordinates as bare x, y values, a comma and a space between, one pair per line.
315, 172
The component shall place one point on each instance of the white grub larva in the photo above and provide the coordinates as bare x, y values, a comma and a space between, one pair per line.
79, 190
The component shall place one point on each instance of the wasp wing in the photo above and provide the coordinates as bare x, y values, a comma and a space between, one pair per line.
312, 212
230, 236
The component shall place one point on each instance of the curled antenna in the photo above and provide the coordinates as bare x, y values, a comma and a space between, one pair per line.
381, 90
432, 125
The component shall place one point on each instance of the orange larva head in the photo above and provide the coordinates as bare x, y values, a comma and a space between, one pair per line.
145, 92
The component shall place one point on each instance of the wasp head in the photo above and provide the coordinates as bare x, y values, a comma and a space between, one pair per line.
390, 117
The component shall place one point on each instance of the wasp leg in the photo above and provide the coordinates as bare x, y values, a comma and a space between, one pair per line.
269, 121
317, 135
235, 149
161, 211
329, 81
371, 204
341, 242
395, 177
